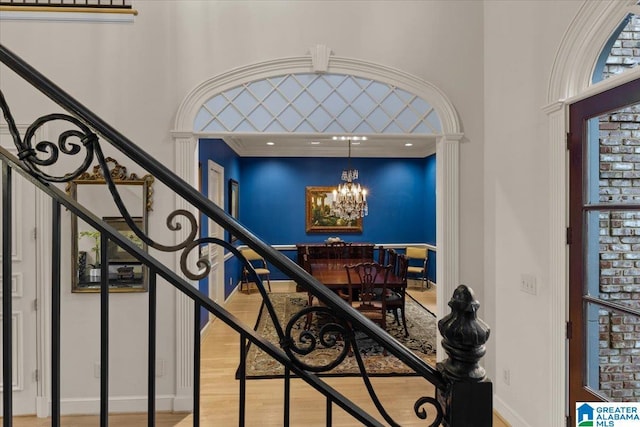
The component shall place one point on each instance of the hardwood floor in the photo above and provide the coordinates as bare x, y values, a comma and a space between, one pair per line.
219, 403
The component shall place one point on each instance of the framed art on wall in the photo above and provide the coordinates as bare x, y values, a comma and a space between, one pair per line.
125, 272
318, 217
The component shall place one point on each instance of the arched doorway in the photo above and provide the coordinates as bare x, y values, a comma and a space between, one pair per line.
186, 135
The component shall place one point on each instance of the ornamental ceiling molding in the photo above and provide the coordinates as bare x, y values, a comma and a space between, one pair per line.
319, 61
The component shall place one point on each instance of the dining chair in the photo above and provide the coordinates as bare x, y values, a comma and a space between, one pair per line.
364, 252
392, 258
336, 250
382, 255
396, 296
367, 286
259, 265
418, 269
311, 300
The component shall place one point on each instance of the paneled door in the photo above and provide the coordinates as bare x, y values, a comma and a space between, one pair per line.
604, 247
23, 294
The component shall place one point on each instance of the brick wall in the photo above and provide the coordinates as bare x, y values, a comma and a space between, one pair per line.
619, 335
625, 52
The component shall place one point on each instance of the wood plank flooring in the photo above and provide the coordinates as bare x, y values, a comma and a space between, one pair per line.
219, 395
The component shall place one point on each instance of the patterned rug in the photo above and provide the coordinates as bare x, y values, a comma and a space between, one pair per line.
421, 323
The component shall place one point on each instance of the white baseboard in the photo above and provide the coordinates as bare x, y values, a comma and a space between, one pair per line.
124, 404
182, 404
507, 413
42, 407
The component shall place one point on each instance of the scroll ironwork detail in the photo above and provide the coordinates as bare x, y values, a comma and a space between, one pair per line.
70, 142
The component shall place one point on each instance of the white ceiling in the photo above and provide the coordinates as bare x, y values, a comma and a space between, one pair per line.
301, 145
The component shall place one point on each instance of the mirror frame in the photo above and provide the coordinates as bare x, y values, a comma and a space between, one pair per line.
118, 173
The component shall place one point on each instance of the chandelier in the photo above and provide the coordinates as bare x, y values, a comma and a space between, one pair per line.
349, 199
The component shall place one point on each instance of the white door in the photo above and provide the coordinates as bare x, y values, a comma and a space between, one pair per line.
23, 294
215, 185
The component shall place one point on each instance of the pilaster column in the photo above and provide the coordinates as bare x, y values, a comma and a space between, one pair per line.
185, 168
448, 220
557, 254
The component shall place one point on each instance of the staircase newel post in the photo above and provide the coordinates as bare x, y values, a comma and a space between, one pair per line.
468, 398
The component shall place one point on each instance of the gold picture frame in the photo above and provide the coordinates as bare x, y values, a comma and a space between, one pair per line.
318, 220
126, 273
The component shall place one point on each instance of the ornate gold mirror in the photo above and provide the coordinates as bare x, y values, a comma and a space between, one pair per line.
126, 273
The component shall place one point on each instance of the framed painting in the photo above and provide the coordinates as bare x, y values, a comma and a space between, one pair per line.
234, 198
115, 254
318, 217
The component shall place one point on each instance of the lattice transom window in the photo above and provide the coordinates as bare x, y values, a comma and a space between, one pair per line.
317, 103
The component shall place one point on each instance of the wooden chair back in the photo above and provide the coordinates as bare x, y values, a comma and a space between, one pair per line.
382, 255
403, 267
367, 290
392, 259
337, 250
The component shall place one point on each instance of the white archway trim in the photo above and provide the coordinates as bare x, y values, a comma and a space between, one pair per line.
201, 93
570, 80
186, 149
447, 170
575, 62
447, 232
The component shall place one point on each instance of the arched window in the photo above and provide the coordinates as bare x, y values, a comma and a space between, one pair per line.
622, 51
317, 103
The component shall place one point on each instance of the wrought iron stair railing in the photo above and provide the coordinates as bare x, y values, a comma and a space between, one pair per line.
463, 394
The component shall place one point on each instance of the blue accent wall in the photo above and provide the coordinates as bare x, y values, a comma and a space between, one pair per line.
401, 197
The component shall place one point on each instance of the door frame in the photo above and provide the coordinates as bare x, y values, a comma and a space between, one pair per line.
570, 81
579, 112
216, 253
42, 327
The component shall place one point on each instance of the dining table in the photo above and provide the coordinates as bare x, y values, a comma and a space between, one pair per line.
333, 274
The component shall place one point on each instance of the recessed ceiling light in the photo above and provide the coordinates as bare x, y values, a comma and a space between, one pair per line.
350, 138
271, 143
408, 144
315, 142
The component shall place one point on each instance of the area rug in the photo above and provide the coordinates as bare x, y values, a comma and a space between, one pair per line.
421, 323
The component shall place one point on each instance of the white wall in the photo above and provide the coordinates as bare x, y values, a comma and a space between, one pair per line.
492, 59
521, 40
136, 75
